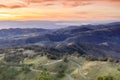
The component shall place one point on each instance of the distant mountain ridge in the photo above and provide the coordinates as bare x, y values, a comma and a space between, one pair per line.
19, 32
97, 40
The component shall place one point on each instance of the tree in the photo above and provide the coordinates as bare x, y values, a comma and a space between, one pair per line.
45, 76
100, 78
107, 77
26, 69
7, 73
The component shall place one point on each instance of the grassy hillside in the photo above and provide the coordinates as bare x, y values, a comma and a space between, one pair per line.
22, 65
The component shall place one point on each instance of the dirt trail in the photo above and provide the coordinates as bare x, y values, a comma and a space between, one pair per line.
53, 62
69, 77
79, 69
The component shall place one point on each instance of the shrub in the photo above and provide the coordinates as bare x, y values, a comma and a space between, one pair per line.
26, 69
108, 77
44, 76
7, 73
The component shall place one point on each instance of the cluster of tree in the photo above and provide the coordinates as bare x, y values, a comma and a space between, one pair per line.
25, 69
14, 56
109, 59
45, 75
51, 53
8, 73
108, 77
61, 70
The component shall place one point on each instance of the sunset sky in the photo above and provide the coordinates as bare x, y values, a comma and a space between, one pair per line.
59, 9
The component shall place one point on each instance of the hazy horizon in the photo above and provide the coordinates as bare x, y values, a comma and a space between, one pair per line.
47, 24
53, 14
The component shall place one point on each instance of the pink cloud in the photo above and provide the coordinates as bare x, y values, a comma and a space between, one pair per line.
64, 3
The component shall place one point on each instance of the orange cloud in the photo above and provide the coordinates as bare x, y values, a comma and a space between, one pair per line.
39, 1
72, 3
115, 2
2, 6
12, 6
64, 3
75, 3
59, 9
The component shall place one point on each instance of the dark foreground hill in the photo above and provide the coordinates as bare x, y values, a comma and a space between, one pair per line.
98, 40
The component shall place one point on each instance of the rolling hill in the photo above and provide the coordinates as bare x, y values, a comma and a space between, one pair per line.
98, 40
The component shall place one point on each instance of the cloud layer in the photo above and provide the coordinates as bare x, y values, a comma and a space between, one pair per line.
59, 9
12, 6
60, 3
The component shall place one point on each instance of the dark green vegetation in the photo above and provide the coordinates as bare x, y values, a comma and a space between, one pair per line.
45, 76
33, 64
108, 77
8, 73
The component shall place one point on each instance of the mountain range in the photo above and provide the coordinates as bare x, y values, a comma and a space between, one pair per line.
98, 40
